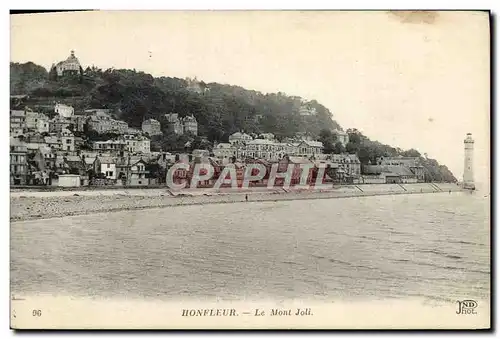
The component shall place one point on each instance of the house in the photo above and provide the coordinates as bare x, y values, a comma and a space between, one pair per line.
342, 137
307, 110
152, 127
67, 140
92, 165
413, 163
43, 124
61, 167
76, 165
98, 111
349, 166
103, 123
264, 149
79, 122
200, 153
64, 111
239, 138
393, 174
18, 162
224, 150
108, 167
203, 163
31, 120
70, 66
193, 85
308, 148
267, 136
53, 141
17, 120
181, 174
58, 123
174, 123
45, 158
178, 125
138, 173
189, 125
115, 146
133, 131
137, 144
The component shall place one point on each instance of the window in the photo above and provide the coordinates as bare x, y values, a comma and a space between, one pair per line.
68, 141
110, 173
107, 165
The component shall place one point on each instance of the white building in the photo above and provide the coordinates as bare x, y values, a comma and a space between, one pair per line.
32, 120
348, 164
189, 125
109, 146
342, 136
53, 141
468, 162
64, 111
152, 127
265, 149
103, 123
239, 138
43, 124
70, 65
67, 141
108, 167
138, 173
137, 144
224, 150
17, 120
306, 110
308, 148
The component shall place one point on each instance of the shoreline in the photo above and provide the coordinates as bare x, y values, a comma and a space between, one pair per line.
44, 205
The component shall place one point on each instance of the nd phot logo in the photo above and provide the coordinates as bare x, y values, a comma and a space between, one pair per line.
466, 307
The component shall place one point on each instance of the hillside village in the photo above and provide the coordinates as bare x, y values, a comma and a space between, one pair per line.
92, 146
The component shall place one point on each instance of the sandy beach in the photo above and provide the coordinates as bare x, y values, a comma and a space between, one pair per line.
29, 205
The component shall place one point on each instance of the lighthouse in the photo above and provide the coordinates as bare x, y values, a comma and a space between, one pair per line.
468, 161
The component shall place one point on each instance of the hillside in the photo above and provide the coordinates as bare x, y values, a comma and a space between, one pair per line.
219, 109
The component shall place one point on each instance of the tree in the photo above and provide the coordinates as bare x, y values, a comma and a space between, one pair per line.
411, 153
53, 73
338, 148
352, 148
327, 138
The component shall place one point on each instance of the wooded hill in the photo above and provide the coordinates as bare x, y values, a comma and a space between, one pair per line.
219, 109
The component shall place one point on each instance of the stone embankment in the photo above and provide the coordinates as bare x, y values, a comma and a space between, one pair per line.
31, 204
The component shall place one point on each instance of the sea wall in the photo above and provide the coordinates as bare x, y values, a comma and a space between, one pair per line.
27, 205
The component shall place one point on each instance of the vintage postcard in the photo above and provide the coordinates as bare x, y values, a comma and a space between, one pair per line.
250, 170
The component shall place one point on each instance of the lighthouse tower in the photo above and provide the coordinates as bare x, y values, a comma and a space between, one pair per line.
468, 161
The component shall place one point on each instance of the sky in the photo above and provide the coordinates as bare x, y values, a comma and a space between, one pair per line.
411, 80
